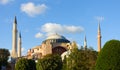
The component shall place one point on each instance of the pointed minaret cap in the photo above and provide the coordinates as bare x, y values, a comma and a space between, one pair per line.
15, 20
85, 38
85, 42
20, 35
99, 30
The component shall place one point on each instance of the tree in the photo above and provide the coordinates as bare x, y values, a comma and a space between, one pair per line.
50, 62
4, 56
32, 64
25, 64
109, 56
81, 60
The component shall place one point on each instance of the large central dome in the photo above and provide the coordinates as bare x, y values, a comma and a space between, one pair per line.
56, 38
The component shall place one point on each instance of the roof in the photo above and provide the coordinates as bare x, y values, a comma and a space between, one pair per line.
55, 36
36, 47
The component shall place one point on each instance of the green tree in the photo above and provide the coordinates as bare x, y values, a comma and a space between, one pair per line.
4, 56
109, 56
81, 60
32, 64
25, 64
50, 62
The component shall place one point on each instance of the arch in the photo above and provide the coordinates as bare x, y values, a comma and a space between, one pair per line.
58, 50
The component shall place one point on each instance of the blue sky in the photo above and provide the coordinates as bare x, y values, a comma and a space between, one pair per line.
70, 18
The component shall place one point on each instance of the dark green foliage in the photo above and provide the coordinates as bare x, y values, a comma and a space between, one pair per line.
50, 62
4, 55
22, 64
25, 64
81, 60
32, 64
109, 57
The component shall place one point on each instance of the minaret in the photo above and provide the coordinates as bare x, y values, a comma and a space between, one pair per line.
85, 43
14, 39
99, 37
19, 45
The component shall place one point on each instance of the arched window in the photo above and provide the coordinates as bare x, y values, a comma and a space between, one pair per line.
58, 50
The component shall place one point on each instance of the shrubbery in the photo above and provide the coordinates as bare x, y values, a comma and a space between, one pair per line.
50, 62
77, 60
109, 57
25, 64
4, 56
80, 60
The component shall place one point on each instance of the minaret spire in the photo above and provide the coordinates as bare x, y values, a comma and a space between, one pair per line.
14, 39
19, 45
15, 20
99, 30
99, 37
19, 34
85, 43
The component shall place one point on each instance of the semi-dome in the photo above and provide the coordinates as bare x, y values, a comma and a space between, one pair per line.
56, 38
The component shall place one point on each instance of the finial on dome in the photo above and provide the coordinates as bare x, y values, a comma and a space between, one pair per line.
56, 33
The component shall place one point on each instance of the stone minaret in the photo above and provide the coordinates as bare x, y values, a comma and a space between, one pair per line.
85, 43
19, 45
99, 37
14, 39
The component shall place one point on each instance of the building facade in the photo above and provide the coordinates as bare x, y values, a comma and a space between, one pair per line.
54, 44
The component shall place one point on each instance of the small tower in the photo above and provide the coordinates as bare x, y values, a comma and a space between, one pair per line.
14, 39
85, 43
19, 45
99, 37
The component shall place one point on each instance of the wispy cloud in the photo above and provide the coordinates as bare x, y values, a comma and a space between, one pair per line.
39, 35
4, 2
58, 28
50, 28
32, 10
99, 18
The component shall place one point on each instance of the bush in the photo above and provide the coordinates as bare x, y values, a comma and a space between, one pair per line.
4, 55
49, 62
80, 60
25, 64
109, 57
32, 64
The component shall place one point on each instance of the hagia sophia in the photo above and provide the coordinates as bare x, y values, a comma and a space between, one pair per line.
53, 44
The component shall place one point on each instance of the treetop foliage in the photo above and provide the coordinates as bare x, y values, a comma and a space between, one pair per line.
80, 60
25, 64
50, 62
4, 55
109, 56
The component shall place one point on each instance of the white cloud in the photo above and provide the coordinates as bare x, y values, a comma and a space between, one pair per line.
73, 29
58, 28
5, 1
51, 28
32, 10
39, 35
99, 18
23, 51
